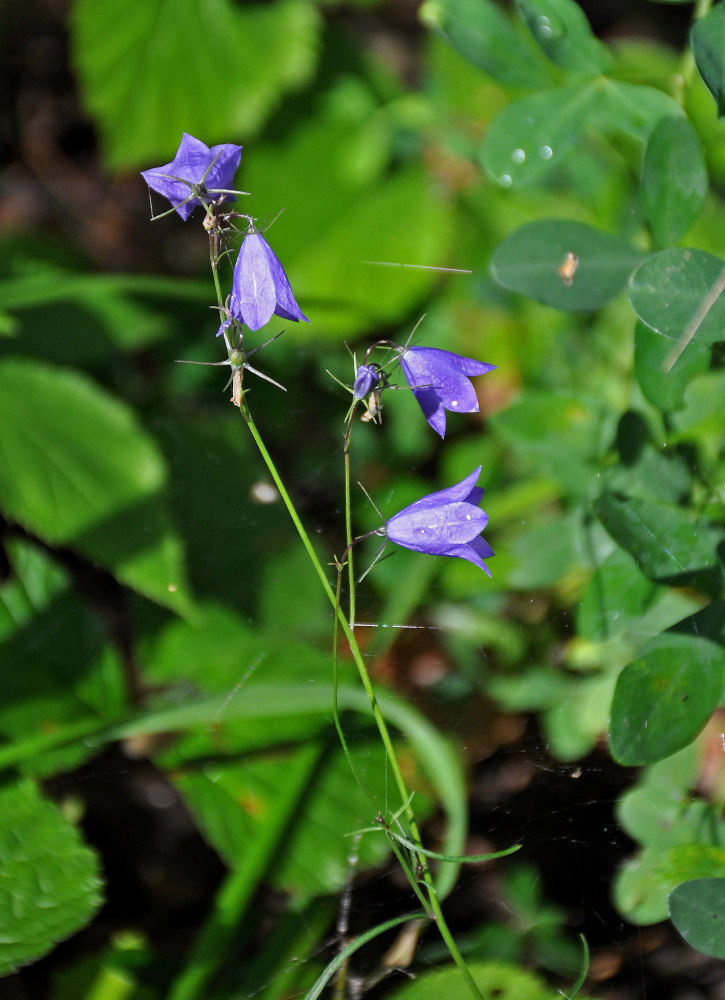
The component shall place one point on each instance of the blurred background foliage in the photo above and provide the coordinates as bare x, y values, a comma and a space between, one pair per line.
165, 705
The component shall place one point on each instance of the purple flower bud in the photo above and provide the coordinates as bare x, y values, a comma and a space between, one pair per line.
196, 164
447, 523
260, 286
440, 381
367, 378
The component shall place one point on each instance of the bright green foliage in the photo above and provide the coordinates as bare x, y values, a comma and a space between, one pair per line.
708, 45
674, 179
197, 68
150, 597
78, 470
50, 880
505, 982
564, 264
664, 697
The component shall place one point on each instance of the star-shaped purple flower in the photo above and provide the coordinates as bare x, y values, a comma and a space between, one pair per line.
196, 167
447, 523
440, 381
260, 287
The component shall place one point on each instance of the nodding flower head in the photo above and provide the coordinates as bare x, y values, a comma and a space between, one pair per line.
447, 523
367, 378
440, 381
195, 169
260, 287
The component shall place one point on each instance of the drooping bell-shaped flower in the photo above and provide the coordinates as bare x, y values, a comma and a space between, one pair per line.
440, 381
195, 170
260, 287
367, 378
446, 523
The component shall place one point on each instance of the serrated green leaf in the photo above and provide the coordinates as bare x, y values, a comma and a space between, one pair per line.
664, 697
666, 389
78, 470
152, 69
532, 135
563, 32
674, 179
565, 264
708, 47
485, 36
51, 881
697, 909
665, 540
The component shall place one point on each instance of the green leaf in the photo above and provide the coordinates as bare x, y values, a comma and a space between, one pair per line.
708, 47
562, 30
697, 909
666, 389
674, 179
664, 697
494, 979
51, 881
232, 800
78, 470
617, 595
541, 425
532, 135
483, 35
664, 539
678, 293
152, 69
631, 108
565, 264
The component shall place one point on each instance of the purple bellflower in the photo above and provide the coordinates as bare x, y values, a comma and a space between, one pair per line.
260, 286
440, 381
196, 167
367, 378
447, 523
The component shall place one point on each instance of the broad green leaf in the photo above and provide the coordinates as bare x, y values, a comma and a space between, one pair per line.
708, 47
343, 270
532, 135
51, 881
697, 909
665, 540
631, 108
112, 300
78, 470
485, 36
563, 32
232, 800
547, 552
678, 293
565, 264
674, 179
616, 596
664, 697
152, 69
543, 426
494, 979
338, 243
666, 389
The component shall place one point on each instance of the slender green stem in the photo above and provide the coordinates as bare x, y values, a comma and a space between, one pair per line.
383, 730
